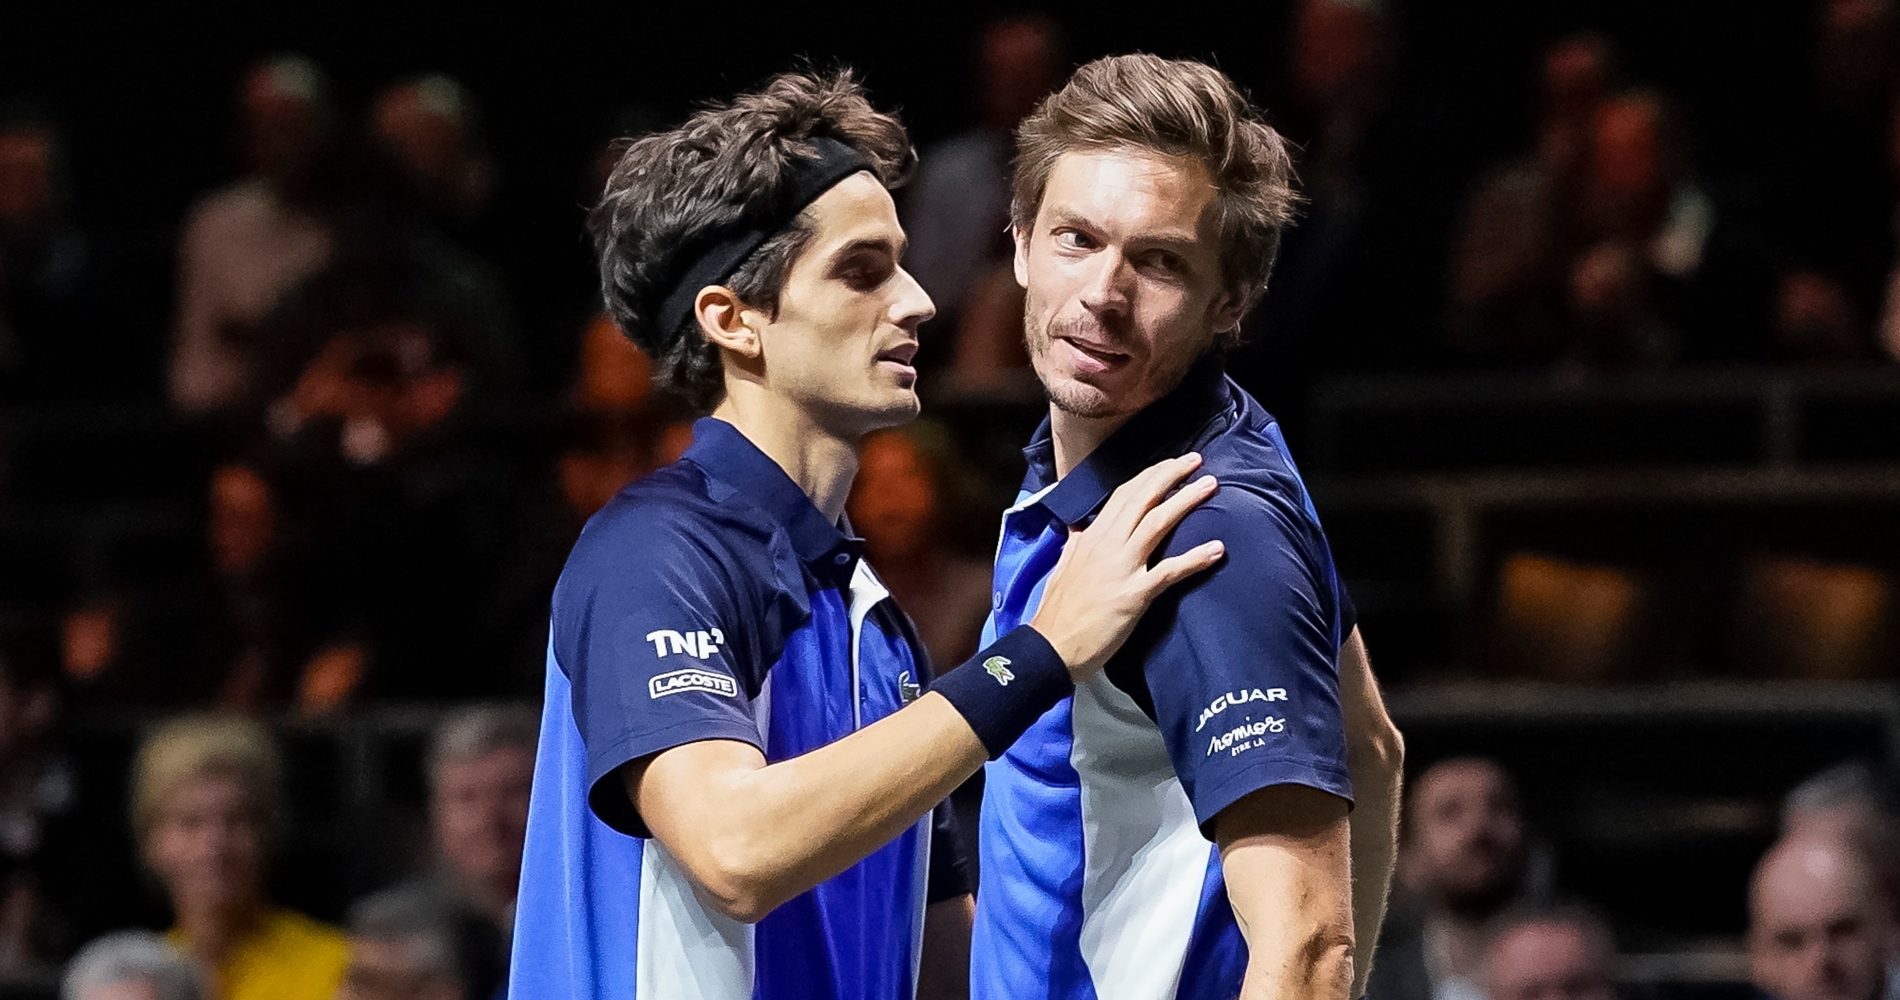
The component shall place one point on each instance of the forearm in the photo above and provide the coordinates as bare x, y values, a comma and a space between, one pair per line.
756, 837
1374, 854
945, 969
1376, 760
1286, 862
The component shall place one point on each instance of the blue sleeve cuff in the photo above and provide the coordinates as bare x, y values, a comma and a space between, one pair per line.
1004, 689
1264, 773
607, 796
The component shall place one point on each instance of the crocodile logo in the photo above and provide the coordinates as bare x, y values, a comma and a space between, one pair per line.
998, 667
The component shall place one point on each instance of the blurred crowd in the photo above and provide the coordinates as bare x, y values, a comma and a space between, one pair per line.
379, 503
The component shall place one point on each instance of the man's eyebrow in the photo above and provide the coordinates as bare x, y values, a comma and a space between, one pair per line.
883, 244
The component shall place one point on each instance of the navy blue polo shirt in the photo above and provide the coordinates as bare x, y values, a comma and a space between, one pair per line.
1098, 876
712, 600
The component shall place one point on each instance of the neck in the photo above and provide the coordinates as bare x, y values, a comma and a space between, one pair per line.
821, 462
1076, 437
212, 929
1461, 941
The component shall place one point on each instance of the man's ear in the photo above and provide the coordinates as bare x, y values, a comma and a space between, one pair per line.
1225, 312
1020, 240
726, 321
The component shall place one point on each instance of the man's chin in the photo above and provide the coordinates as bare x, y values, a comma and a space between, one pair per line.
1078, 398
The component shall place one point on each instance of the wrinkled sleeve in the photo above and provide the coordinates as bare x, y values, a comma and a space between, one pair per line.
647, 627
1241, 664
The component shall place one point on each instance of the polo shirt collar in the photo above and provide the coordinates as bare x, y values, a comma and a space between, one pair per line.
731, 458
1164, 429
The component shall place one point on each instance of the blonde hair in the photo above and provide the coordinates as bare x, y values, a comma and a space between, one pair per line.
203, 746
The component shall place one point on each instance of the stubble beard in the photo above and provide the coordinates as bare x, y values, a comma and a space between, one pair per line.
1072, 396
1079, 399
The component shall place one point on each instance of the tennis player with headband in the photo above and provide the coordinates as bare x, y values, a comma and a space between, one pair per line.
743, 752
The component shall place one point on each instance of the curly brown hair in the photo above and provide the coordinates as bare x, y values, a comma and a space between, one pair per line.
1177, 107
674, 193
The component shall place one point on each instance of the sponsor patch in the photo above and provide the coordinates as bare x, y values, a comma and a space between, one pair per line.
699, 645
1232, 698
690, 679
1245, 736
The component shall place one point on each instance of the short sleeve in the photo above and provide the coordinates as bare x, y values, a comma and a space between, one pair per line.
1239, 666
649, 627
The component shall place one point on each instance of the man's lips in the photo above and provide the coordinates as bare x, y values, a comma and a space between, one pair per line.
1090, 357
901, 354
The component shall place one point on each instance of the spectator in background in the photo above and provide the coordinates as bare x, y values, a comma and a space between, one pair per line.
58, 339
428, 127
1820, 927
208, 810
1555, 953
131, 965
957, 210
481, 764
1516, 231
410, 944
1830, 199
902, 503
387, 457
1852, 800
50, 862
244, 246
1462, 861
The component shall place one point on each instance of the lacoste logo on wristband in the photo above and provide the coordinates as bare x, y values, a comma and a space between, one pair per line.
998, 667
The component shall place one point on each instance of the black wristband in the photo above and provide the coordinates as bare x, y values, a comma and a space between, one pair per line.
1004, 689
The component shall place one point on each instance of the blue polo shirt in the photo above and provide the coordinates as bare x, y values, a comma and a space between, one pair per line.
712, 600
1098, 876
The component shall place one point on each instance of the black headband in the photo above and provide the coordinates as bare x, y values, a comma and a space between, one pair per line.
805, 180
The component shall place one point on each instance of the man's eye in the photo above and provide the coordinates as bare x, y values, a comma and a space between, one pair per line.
1070, 239
866, 276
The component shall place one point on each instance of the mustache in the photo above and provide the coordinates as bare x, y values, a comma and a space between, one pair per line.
1084, 327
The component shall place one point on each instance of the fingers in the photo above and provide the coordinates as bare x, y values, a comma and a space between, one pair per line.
1174, 569
1134, 498
1168, 513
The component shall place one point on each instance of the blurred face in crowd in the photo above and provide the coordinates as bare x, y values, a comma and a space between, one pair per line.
1336, 48
26, 179
1626, 157
243, 518
480, 807
842, 343
894, 502
1123, 280
1019, 66
1819, 929
281, 117
404, 968
1576, 74
1554, 960
1465, 846
207, 845
428, 138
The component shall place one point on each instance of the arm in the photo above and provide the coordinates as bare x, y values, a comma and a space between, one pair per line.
1284, 853
753, 835
946, 966
1375, 755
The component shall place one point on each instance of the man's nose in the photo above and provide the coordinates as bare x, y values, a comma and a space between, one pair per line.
1107, 289
913, 306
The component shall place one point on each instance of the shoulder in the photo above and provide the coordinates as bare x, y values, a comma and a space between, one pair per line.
670, 513
671, 532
